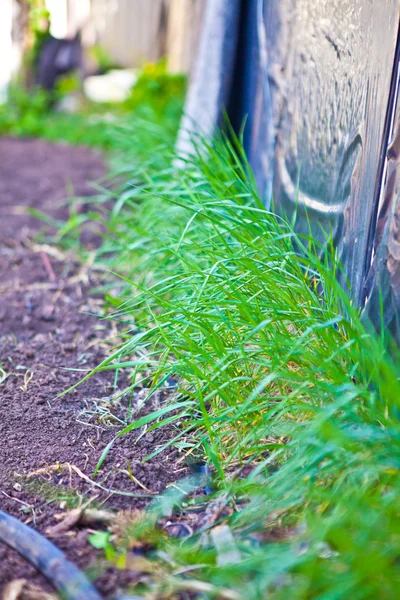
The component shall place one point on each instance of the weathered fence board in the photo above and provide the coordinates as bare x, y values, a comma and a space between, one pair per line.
184, 21
129, 29
135, 31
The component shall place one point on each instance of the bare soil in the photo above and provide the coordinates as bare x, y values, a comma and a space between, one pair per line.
49, 323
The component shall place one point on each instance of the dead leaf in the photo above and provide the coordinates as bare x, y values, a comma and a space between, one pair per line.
79, 516
14, 589
127, 519
90, 516
71, 519
140, 564
20, 589
213, 512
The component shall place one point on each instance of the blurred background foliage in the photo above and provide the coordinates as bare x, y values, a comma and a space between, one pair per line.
157, 96
71, 111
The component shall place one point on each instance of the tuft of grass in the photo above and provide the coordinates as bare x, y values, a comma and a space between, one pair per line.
284, 389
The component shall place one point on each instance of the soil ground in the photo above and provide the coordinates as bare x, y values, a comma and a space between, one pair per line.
49, 323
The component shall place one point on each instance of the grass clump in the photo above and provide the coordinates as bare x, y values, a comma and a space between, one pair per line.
283, 388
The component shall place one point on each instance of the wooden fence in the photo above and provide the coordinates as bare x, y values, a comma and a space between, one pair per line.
185, 19
136, 31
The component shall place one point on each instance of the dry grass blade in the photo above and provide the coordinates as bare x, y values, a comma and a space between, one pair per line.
201, 587
72, 468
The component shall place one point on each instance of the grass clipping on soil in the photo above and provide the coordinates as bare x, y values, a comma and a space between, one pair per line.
282, 388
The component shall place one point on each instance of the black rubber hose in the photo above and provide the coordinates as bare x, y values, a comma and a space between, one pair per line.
46, 558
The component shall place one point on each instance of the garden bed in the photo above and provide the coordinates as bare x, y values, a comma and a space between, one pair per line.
49, 323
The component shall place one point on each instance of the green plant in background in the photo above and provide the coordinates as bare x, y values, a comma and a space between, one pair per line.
151, 115
29, 112
101, 58
24, 112
39, 25
67, 84
159, 90
35, 21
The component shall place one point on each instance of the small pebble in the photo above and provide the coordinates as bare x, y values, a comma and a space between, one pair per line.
26, 320
47, 313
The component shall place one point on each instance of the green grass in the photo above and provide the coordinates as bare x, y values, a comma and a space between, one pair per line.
284, 389
277, 372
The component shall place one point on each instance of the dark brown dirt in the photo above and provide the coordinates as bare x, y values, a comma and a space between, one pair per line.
49, 323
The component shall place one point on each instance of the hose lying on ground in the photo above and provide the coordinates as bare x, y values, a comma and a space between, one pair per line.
47, 559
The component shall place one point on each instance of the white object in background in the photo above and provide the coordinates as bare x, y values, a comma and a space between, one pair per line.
58, 17
78, 15
114, 86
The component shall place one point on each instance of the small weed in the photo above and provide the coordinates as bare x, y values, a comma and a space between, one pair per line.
101, 540
3, 374
28, 376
